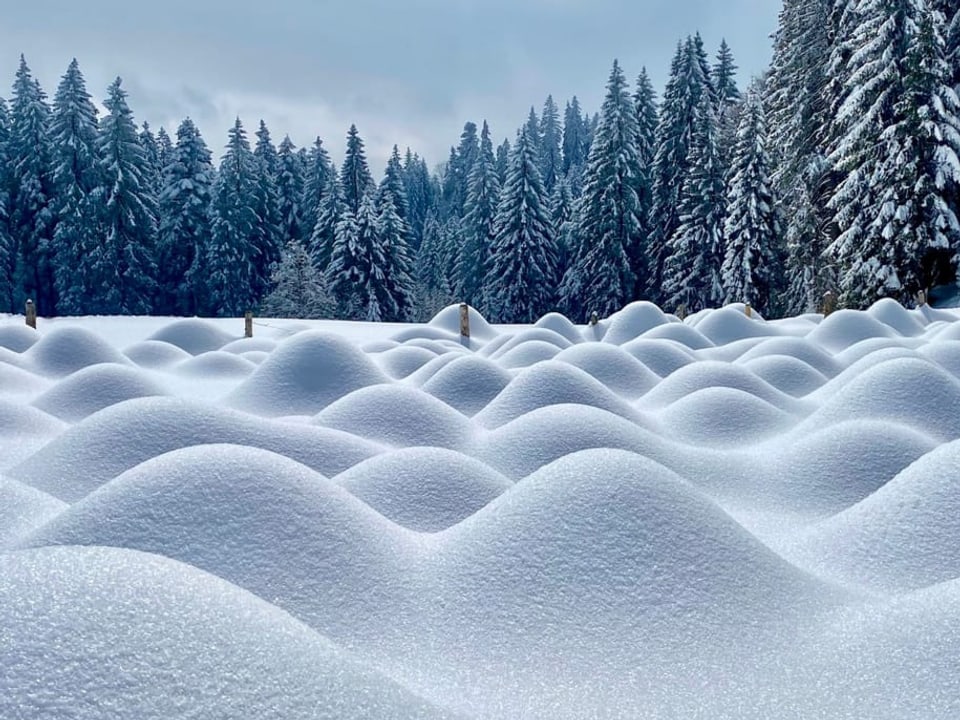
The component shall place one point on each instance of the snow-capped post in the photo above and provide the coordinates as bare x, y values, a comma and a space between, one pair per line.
829, 301
31, 313
464, 324
748, 310
248, 324
921, 298
594, 319
682, 312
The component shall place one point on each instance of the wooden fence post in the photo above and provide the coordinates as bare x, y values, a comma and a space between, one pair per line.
829, 302
31, 313
921, 298
594, 319
248, 324
748, 310
464, 324
682, 312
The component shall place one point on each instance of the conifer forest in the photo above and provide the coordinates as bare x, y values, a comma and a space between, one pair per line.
836, 171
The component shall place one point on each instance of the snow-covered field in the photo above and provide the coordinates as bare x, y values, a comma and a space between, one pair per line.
719, 518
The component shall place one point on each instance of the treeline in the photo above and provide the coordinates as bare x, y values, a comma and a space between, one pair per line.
836, 171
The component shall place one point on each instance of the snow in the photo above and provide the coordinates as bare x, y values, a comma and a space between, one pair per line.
721, 517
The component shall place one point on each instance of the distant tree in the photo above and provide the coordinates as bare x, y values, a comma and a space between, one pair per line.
329, 214
483, 194
8, 251
459, 167
269, 235
73, 132
355, 177
185, 233
299, 290
153, 168
120, 267
317, 171
290, 193
503, 160
575, 143
233, 256
551, 134
521, 278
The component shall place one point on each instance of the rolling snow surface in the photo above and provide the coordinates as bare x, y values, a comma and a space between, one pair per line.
722, 517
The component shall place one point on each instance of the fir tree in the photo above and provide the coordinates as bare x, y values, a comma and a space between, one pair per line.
8, 252
481, 208
299, 290
671, 166
503, 160
433, 287
153, 168
393, 184
459, 167
752, 261
164, 150
121, 268
185, 233
421, 195
233, 256
603, 274
269, 236
290, 193
645, 100
563, 219
355, 178
32, 215
723, 76
575, 141
521, 276
329, 215
398, 283
73, 131
899, 120
315, 184
551, 158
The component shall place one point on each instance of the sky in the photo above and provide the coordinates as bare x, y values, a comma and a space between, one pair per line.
409, 72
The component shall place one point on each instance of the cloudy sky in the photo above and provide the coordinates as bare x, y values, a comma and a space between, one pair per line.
409, 72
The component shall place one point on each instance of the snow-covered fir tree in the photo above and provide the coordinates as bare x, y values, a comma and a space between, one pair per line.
393, 184
355, 177
290, 193
503, 160
563, 220
645, 100
691, 275
185, 232
329, 214
483, 193
164, 149
73, 133
575, 144
520, 284
120, 267
801, 175
298, 289
269, 236
458, 171
398, 282
751, 266
434, 290
316, 180
686, 85
421, 195
551, 156
724, 77
899, 127
8, 252
32, 211
153, 163
233, 256
602, 276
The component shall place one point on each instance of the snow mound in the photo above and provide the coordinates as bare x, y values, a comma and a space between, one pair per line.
633, 321
193, 336
897, 317
527, 354
662, 357
612, 544
255, 356
830, 470
256, 519
844, 328
903, 536
304, 374
85, 629
424, 489
946, 354
155, 354
18, 338
906, 390
404, 360
620, 371
537, 438
797, 348
424, 374
952, 332
23, 421
551, 383
95, 388
63, 351
787, 374
730, 324
875, 347
448, 320
681, 334
561, 325
532, 336
216, 364
706, 375
721, 416
122, 436
400, 416
23, 509
246, 345
468, 383
17, 381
